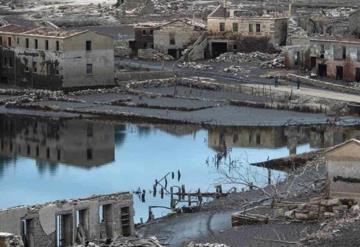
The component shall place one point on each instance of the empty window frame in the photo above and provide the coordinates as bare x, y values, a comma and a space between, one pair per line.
172, 39
235, 27
34, 67
258, 28
251, 28
222, 26
89, 69
88, 45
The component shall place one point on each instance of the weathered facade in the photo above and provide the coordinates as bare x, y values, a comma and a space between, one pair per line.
327, 56
75, 142
343, 166
174, 37
245, 31
65, 223
336, 58
144, 37
54, 58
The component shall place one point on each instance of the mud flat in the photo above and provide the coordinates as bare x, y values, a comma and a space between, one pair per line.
182, 101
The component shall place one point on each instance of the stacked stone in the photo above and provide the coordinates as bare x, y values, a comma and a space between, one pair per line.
316, 208
10, 240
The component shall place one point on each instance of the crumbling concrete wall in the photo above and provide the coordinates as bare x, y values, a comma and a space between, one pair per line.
174, 37
45, 225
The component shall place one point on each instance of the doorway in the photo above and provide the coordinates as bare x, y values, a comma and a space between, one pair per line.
357, 75
312, 62
27, 228
64, 230
322, 70
339, 72
218, 48
173, 53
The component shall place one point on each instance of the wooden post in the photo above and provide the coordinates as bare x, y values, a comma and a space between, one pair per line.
172, 204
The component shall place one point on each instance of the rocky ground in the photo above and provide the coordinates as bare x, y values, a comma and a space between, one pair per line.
296, 210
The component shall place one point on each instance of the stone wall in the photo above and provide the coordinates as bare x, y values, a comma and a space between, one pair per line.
108, 216
10, 240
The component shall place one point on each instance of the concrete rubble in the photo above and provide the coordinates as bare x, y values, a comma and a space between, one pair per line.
10, 240
315, 209
151, 54
194, 65
126, 242
264, 60
192, 244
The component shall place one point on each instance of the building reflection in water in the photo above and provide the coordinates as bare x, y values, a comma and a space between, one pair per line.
277, 137
82, 143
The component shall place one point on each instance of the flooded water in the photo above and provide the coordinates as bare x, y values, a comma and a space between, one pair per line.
47, 160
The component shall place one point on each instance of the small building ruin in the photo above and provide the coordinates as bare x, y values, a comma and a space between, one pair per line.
65, 223
52, 58
174, 37
232, 29
343, 167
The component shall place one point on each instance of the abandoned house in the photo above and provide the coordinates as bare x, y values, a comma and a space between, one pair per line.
144, 37
65, 223
81, 143
336, 58
327, 56
174, 37
54, 58
343, 167
231, 29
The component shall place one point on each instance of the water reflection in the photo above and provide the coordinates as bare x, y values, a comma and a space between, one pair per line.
276, 137
45, 160
75, 142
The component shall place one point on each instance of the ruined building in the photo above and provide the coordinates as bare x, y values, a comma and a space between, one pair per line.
53, 58
144, 37
337, 58
232, 29
174, 37
65, 223
327, 56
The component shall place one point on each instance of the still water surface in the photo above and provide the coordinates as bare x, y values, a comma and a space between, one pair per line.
43, 160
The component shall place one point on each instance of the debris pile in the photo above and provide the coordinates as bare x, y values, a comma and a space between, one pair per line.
126, 242
194, 65
192, 244
236, 69
10, 240
151, 54
331, 228
315, 209
264, 60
